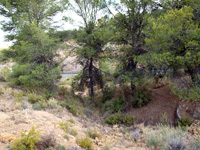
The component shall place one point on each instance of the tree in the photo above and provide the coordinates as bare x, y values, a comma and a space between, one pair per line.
92, 40
33, 50
131, 22
177, 34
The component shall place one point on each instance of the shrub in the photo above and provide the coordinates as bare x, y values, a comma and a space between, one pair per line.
93, 134
65, 127
85, 143
128, 120
47, 141
32, 98
5, 73
117, 105
175, 142
52, 103
27, 141
18, 95
73, 132
164, 119
141, 98
166, 138
72, 108
195, 145
60, 147
119, 118
184, 122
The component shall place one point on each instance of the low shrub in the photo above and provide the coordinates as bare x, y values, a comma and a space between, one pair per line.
114, 106
85, 143
164, 119
72, 108
27, 141
184, 122
18, 95
65, 127
166, 138
46, 142
60, 147
5, 73
93, 134
141, 98
195, 145
32, 98
119, 118
73, 132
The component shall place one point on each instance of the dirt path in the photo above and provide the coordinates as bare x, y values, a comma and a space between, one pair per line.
163, 101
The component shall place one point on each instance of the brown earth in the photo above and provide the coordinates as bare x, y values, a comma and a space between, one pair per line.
163, 101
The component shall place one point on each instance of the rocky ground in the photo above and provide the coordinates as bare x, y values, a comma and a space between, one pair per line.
16, 117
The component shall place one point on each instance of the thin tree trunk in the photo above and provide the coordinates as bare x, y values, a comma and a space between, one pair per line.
91, 78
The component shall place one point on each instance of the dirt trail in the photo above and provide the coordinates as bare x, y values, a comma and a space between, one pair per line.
163, 101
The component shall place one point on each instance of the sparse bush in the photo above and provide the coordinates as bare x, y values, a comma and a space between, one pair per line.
72, 121
85, 143
72, 108
195, 145
32, 98
73, 132
119, 118
5, 73
166, 138
27, 141
65, 127
18, 95
175, 142
93, 134
37, 106
46, 142
53, 103
60, 147
184, 122
164, 119
135, 135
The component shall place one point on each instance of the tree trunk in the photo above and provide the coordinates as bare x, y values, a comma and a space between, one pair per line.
91, 78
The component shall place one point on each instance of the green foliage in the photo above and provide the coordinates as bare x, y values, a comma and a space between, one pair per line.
167, 138
93, 134
60, 147
5, 73
27, 141
164, 119
119, 118
85, 143
32, 98
116, 105
141, 98
72, 108
184, 122
18, 95
65, 127
187, 93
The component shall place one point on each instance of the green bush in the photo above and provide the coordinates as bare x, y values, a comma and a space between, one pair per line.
119, 118
85, 143
116, 105
5, 73
27, 141
184, 122
65, 127
18, 95
72, 108
141, 98
32, 98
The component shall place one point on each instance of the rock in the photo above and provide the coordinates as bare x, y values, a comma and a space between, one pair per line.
196, 114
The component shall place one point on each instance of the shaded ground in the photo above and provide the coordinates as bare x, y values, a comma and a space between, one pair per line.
163, 101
